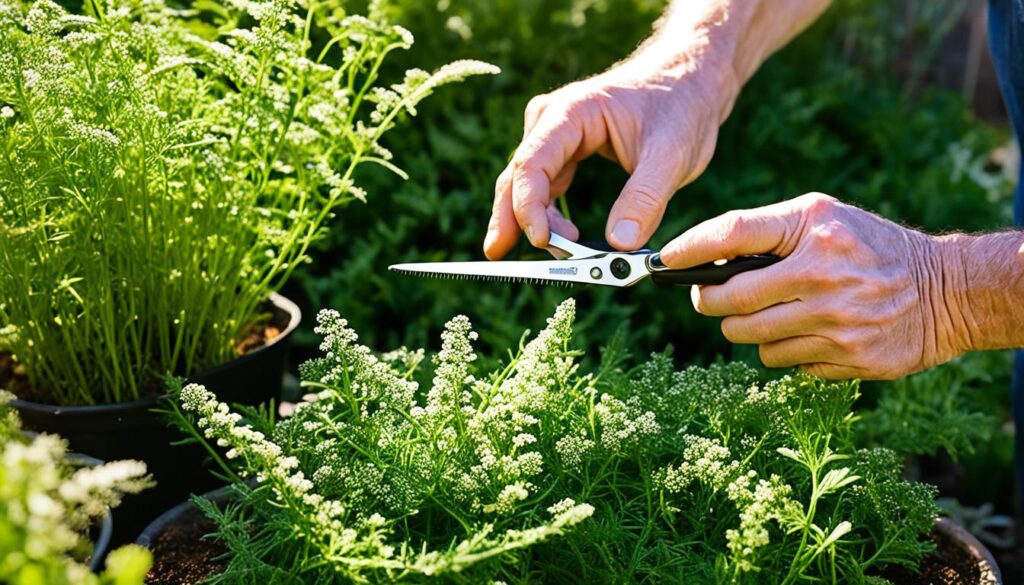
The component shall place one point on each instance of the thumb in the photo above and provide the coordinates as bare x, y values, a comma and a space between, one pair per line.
641, 205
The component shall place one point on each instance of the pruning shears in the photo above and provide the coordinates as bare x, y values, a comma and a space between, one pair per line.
581, 264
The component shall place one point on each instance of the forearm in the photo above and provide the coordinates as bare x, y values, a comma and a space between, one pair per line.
983, 282
725, 41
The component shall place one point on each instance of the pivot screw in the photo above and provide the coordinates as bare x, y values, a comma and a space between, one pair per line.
620, 268
596, 273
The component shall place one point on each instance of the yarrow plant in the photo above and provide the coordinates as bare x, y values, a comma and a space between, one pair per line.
47, 507
538, 472
162, 171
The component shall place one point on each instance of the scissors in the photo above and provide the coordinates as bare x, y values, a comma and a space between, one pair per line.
581, 264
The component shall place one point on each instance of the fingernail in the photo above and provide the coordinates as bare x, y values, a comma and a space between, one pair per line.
529, 233
625, 233
489, 239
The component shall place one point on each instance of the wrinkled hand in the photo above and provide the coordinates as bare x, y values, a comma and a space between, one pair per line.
855, 296
661, 130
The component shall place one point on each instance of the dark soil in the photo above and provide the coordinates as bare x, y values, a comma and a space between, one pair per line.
953, 480
949, 565
13, 378
181, 556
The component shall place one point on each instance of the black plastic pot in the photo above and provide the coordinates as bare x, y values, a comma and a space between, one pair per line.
104, 531
184, 556
101, 544
152, 530
130, 430
959, 559
980, 566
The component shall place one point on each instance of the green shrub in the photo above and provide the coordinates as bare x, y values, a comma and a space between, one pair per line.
47, 506
827, 114
161, 175
538, 472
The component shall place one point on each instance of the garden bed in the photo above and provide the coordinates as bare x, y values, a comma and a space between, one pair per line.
181, 554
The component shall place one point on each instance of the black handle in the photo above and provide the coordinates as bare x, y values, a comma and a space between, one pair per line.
710, 273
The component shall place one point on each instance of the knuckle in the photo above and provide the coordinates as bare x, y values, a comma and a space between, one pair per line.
816, 201
850, 342
746, 330
744, 301
580, 109
820, 207
528, 159
833, 237
523, 159
760, 329
536, 104
645, 199
734, 224
817, 370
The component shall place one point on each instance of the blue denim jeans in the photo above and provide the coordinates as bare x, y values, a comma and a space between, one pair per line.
1006, 39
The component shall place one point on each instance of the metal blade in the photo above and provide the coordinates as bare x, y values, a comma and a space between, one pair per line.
535, 272
564, 272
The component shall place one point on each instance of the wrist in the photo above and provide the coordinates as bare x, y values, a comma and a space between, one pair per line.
696, 65
983, 290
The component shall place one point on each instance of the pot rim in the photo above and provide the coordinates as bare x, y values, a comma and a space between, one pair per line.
990, 574
280, 301
152, 530
101, 544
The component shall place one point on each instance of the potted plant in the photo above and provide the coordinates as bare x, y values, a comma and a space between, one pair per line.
537, 471
49, 502
163, 172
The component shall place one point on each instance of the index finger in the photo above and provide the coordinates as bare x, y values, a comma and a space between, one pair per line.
763, 230
556, 140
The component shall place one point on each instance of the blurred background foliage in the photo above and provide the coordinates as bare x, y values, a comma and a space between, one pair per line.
845, 109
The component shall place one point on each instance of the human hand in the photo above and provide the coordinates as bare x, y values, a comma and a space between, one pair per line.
855, 296
660, 127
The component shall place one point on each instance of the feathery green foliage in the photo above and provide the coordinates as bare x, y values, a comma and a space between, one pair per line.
162, 171
539, 472
935, 409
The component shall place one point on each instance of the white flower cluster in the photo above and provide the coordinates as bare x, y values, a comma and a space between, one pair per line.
379, 449
705, 461
46, 508
379, 391
448, 394
574, 450
508, 420
624, 425
93, 490
323, 518
759, 503
510, 495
